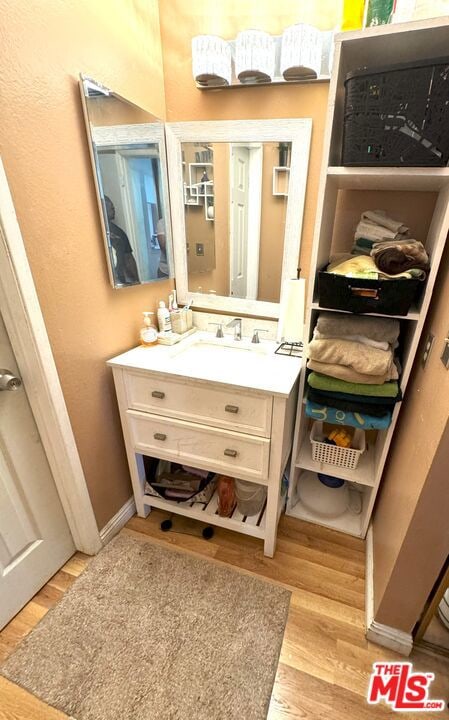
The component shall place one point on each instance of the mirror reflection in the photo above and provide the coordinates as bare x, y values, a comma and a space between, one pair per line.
235, 199
127, 149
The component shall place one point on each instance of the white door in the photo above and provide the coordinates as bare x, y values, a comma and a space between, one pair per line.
35, 539
239, 220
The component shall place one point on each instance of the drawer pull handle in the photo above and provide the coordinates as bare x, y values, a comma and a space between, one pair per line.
158, 394
160, 436
232, 408
230, 453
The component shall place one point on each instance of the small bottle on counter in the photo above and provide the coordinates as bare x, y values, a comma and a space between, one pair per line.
163, 318
148, 332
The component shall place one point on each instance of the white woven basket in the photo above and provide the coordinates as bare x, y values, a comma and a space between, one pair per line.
334, 455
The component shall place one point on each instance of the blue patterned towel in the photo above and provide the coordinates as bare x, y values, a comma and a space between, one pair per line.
340, 417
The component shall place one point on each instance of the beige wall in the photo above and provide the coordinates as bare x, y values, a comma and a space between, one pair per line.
272, 230
45, 45
415, 479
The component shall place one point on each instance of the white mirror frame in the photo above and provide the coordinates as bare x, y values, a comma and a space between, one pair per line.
136, 134
298, 133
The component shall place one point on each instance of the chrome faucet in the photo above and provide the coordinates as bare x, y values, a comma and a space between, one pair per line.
237, 324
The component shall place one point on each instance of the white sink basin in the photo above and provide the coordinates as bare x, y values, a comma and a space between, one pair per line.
221, 360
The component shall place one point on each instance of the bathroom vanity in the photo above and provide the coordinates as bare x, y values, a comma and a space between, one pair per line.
214, 404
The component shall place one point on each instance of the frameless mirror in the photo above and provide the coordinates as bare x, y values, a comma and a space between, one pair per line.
127, 148
235, 209
237, 197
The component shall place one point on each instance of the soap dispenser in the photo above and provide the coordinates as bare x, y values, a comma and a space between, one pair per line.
163, 318
148, 332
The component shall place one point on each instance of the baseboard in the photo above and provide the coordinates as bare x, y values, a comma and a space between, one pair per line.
384, 635
116, 523
391, 638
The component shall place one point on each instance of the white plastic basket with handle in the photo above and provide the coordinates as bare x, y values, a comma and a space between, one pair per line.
323, 452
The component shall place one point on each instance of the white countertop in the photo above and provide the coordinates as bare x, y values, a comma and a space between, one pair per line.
204, 358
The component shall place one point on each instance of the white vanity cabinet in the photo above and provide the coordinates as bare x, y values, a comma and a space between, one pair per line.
242, 432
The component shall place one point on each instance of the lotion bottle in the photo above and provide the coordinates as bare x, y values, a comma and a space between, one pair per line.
163, 318
148, 332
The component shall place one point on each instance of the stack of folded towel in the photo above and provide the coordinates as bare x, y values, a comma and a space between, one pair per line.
355, 373
391, 252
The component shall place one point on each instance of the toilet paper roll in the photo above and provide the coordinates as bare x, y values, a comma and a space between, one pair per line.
292, 311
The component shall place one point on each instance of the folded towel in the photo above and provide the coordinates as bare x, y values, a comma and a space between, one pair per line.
352, 405
328, 396
355, 355
341, 372
380, 217
365, 243
324, 382
375, 328
365, 268
371, 231
339, 417
358, 250
400, 257
357, 338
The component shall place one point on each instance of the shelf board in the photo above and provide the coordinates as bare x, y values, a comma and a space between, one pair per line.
346, 523
389, 178
208, 514
364, 473
413, 313
275, 82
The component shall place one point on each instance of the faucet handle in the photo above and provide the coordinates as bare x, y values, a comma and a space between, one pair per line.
256, 332
219, 333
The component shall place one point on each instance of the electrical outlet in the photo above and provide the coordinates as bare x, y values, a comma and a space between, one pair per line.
445, 353
427, 349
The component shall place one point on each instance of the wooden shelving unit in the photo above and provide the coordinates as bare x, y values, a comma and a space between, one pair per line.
377, 46
196, 192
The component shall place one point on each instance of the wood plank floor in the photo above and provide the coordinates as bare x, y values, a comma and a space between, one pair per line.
325, 659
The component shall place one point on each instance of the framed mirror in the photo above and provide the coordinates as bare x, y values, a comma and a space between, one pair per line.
237, 198
127, 148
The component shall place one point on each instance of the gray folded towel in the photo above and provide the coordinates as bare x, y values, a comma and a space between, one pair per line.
375, 328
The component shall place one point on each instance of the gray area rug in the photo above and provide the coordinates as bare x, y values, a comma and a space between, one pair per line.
151, 633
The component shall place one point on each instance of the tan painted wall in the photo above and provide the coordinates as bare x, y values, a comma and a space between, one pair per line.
272, 230
406, 485
43, 145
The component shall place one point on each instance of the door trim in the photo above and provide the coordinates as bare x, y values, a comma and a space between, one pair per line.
26, 329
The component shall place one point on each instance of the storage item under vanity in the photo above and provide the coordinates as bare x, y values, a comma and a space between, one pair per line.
250, 497
211, 61
301, 49
226, 495
255, 56
360, 295
171, 481
398, 115
329, 454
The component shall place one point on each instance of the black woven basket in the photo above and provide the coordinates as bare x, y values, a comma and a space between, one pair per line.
398, 115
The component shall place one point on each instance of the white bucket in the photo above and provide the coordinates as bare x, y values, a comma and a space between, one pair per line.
301, 52
250, 497
211, 60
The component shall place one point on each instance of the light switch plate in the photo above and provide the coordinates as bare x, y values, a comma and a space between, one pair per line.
427, 348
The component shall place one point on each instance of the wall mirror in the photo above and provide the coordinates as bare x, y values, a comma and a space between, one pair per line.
237, 197
127, 147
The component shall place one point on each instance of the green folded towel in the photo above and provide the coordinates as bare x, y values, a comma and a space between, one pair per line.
325, 382
365, 243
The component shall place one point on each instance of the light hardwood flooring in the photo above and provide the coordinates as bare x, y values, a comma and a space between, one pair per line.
325, 659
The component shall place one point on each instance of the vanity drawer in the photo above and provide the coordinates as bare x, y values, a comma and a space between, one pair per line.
208, 448
207, 405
